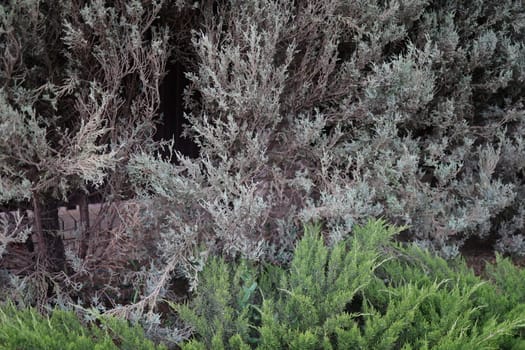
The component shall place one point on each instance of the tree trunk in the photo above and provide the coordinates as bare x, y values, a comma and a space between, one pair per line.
46, 228
83, 208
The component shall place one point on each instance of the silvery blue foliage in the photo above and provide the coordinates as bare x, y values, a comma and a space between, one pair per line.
337, 111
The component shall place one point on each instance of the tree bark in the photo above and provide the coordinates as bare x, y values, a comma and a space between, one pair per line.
39, 229
50, 246
83, 208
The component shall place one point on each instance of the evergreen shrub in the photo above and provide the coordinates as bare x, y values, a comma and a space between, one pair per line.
339, 111
79, 93
333, 111
27, 329
365, 292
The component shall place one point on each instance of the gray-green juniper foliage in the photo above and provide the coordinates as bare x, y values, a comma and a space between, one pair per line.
79, 92
341, 110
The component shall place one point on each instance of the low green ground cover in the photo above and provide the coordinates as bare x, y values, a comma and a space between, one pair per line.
364, 293
29, 330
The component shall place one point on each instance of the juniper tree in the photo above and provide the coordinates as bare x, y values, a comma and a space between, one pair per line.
79, 94
337, 111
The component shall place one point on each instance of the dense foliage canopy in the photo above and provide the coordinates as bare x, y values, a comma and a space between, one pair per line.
303, 111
